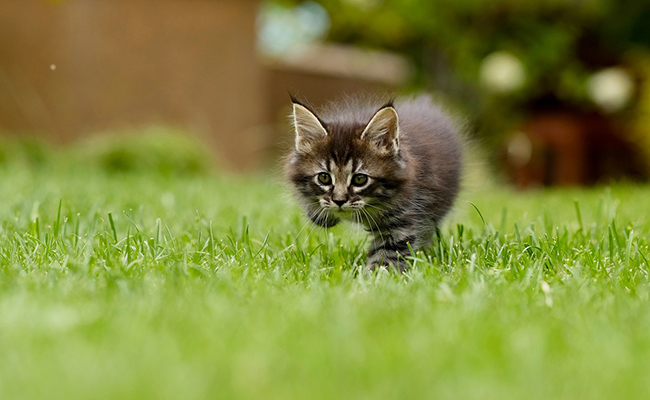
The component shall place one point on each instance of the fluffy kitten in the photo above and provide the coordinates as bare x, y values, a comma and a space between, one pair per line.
395, 168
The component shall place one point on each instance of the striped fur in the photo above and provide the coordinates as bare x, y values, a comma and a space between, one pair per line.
394, 168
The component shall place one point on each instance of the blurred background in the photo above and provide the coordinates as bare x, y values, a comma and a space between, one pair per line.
553, 92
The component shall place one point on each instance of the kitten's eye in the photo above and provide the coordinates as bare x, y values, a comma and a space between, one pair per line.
359, 179
324, 178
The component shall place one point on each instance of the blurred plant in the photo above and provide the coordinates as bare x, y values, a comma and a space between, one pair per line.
26, 151
499, 58
157, 150
281, 28
641, 124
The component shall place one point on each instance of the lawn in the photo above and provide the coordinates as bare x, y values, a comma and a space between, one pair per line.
124, 275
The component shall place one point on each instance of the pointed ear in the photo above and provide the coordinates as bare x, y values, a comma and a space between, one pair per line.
383, 130
308, 128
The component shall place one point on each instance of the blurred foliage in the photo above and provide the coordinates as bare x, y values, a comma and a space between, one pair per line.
641, 124
156, 150
560, 43
25, 151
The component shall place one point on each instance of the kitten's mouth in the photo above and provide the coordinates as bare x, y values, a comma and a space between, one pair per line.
345, 210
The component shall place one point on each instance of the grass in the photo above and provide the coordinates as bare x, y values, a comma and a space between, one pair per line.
136, 284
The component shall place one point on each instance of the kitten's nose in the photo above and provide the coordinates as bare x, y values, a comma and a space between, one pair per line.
339, 202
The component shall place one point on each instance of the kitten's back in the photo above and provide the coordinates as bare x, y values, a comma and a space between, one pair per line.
433, 141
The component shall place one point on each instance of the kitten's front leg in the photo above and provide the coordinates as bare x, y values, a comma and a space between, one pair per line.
390, 250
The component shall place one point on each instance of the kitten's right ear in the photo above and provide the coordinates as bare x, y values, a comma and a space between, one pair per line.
307, 126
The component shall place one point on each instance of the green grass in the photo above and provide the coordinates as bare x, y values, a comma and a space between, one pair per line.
136, 284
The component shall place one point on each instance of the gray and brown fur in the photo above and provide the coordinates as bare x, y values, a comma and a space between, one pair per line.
410, 152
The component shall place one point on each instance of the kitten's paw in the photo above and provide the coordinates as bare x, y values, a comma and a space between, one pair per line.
374, 267
389, 254
400, 266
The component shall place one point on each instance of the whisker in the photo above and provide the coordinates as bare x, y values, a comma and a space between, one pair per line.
371, 220
357, 219
303, 227
318, 216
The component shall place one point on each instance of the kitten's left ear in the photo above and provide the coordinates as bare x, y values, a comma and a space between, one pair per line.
383, 130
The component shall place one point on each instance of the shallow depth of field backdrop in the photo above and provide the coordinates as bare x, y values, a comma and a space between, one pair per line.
148, 248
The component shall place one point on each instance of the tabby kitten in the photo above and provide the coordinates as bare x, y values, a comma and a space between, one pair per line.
394, 168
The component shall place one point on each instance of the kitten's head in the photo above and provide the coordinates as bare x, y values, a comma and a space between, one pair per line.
346, 164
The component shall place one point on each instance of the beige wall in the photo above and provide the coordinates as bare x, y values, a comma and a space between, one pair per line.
123, 63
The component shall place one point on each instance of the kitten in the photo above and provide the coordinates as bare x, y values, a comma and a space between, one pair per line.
395, 168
